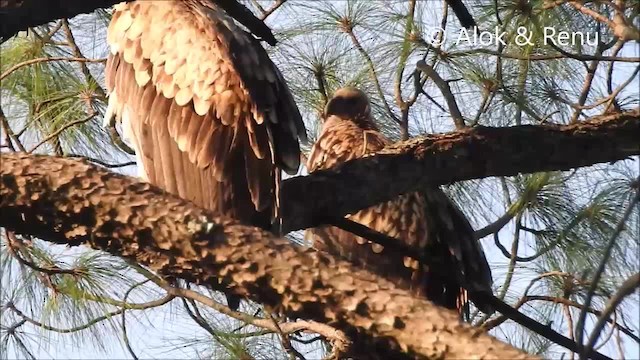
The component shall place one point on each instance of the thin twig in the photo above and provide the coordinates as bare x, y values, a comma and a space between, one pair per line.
197, 317
117, 139
65, 127
588, 81
535, 326
48, 59
284, 340
618, 26
445, 89
83, 65
125, 338
101, 162
266, 13
497, 321
348, 29
612, 93
14, 249
404, 54
90, 323
542, 57
627, 288
610, 335
11, 137
336, 336
497, 225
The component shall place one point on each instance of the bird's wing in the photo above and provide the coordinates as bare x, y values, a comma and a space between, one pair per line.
426, 221
208, 111
401, 218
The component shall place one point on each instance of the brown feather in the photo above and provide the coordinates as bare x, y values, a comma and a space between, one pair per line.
221, 140
187, 77
159, 111
147, 99
165, 144
204, 134
176, 115
193, 131
111, 70
202, 82
258, 172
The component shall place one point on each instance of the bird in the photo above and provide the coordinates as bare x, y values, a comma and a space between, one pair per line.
427, 222
210, 117
462, 13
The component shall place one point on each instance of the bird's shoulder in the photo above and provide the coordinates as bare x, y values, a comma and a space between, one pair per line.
342, 140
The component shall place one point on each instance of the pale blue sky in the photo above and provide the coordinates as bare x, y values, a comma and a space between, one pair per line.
151, 334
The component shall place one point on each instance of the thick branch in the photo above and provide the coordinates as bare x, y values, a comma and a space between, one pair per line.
467, 154
68, 201
18, 15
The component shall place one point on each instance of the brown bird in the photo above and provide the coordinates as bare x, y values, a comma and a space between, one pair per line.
209, 115
427, 222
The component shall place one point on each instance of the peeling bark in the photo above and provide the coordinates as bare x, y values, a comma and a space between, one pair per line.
467, 154
69, 201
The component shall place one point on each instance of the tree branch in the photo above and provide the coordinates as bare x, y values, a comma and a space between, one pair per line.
16, 15
445, 89
620, 226
71, 202
463, 155
627, 288
48, 59
335, 337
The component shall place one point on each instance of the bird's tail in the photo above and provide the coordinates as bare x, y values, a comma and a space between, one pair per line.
456, 248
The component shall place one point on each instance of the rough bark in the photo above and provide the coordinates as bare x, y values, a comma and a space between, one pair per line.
68, 201
473, 153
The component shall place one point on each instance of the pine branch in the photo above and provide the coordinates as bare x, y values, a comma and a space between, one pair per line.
70, 202
90, 323
48, 59
335, 337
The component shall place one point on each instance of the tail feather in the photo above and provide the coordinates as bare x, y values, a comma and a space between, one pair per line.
457, 248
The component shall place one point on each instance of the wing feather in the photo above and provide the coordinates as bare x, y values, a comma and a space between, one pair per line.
205, 88
222, 138
203, 140
164, 146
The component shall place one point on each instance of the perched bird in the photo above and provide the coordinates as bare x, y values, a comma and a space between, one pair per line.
462, 13
427, 222
209, 115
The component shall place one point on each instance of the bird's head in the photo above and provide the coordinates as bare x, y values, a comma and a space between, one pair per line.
349, 103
